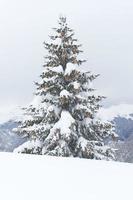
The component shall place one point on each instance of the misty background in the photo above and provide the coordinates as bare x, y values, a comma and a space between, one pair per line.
105, 28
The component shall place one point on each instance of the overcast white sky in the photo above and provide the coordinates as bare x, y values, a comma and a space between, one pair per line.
104, 27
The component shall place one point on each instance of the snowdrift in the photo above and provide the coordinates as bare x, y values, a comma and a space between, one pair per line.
30, 177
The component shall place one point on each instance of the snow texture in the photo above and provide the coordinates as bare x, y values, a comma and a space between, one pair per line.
76, 85
57, 41
30, 177
69, 68
30, 145
64, 93
37, 102
64, 123
58, 69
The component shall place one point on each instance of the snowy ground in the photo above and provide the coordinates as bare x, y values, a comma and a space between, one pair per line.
24, 177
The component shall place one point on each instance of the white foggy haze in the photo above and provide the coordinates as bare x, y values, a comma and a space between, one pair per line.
105, 28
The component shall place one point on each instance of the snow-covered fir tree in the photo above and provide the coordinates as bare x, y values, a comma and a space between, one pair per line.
62, 119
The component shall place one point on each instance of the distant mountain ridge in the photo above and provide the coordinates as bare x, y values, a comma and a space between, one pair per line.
122, 118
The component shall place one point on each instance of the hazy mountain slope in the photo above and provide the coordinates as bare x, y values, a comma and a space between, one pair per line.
8, 139
122, 118
8, 120
124, 149
123, 126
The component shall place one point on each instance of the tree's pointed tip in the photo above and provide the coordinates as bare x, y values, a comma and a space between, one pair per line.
62, 18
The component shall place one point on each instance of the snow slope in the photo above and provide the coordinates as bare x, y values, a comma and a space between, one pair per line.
30, 177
